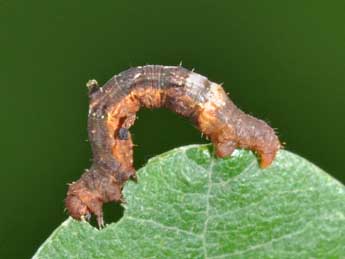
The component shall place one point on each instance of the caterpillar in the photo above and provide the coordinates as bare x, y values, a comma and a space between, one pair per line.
112, 111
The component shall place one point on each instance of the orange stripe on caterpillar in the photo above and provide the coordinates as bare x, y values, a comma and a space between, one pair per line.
113, 110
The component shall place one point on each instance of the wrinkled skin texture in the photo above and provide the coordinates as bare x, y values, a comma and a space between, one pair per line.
113, 110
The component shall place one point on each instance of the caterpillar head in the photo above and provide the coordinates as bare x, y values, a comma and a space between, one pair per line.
81, 203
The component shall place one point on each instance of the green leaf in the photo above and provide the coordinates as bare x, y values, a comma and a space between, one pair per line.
189, 204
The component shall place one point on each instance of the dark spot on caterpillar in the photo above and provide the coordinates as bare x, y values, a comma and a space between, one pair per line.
113, 110
123, 134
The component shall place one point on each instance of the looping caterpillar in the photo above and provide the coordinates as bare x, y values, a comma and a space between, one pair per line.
112, 112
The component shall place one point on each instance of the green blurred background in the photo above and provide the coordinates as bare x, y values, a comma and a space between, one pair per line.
282, 61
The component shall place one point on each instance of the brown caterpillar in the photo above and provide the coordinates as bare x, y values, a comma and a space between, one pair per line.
113, 110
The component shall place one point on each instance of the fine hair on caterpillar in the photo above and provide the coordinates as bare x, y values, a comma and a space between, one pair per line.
112, 111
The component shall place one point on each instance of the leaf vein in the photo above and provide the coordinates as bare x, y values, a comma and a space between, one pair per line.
163, 226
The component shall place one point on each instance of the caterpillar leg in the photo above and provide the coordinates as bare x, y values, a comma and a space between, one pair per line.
84, 197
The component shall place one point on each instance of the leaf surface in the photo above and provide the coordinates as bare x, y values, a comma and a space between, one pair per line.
189, 204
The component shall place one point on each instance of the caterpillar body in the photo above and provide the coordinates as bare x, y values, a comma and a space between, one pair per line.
112, 111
